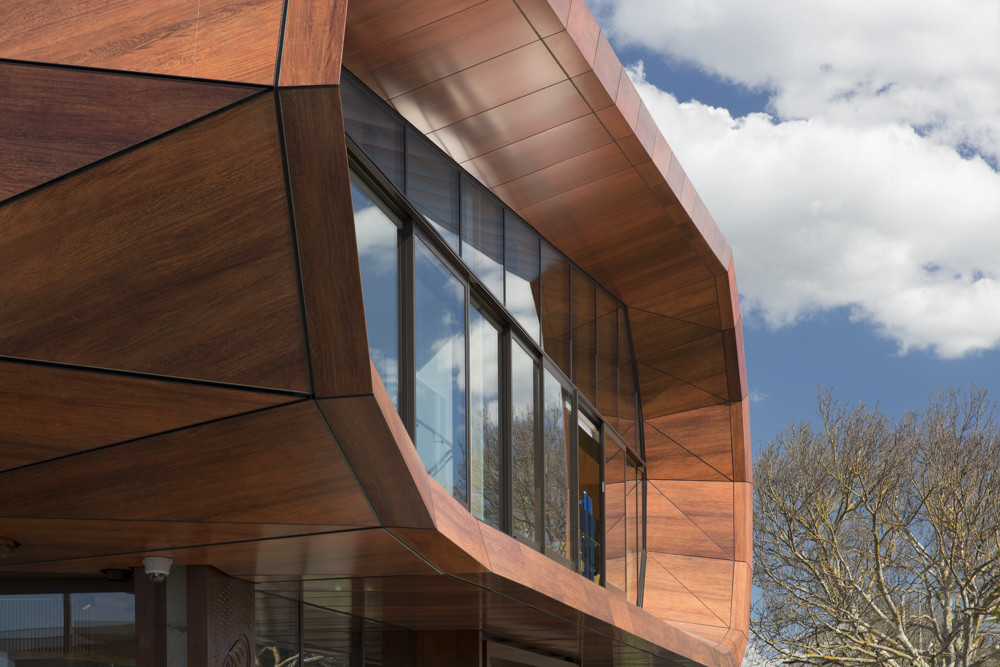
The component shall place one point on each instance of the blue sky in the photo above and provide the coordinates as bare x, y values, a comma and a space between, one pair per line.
849, 152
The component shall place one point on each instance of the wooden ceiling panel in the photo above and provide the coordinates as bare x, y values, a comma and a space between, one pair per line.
506, 125
593, 91
584, 30
705, 432
709, 505
671, 531
50, 412
538, 151
370, 23
653, 333
458, 41
563, 48
187, 271
666, 459
230, 40
279, 465
318, 174
56, 120
546, 16
694, 299
474, 90
313, 45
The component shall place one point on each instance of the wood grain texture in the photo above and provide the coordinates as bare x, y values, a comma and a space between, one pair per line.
653, 333
709, 505
313, 46
274, 466
669, 599
704, 432
742, 582
701, 363
563, 48
739, 419
230, 40
743, 521
709, 579
546, 16
318, 173
50, 412
172, 259
383, 457
56, 120
663, 394
666, 459
669, 530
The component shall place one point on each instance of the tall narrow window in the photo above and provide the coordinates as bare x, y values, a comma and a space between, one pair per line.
432, 186
555, 307
482, 236
522, 274
633, 516
558, 414
591, 532
485, 443
439, 357
614, 508
377, 236
524, 400
584, 336
607, 357
374, 128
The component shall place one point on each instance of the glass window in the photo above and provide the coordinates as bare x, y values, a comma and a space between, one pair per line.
374, 128
591, 534
521, 272
432, 186
485, 443
555, 307
378, 255
558, 415
626, 383
482, 236
607, 357
439, 356
584, 336
614, 507
524, 396
277, 628
634, 521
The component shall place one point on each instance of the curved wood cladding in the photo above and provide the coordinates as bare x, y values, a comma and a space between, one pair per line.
229, 40
186, 271
316, 155
56, 120
51, 412
538, 107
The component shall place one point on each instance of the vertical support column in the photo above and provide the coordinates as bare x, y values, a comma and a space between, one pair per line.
220, 619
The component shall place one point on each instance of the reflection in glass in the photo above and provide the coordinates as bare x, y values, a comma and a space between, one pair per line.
584, 336
432, 186
614, 506
439, 355
484, 418
555, 307
522, 274
607, 357
633, 518
378, 255
558, 414
626, 383
482, 236
523, 389
589, 499
374, 128
95, 629
277, 628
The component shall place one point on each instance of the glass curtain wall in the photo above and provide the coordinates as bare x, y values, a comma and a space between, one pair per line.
485, 441
557, 412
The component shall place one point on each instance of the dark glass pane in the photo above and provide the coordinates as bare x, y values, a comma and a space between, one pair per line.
607, 357
485, 447
277, 626
555, 307
589, 461
521, 272
633, 518
374, 128
614, 505
558, 415
439, 356
585, 336
626, 383
523, 390
432, 186
482, 236
378, 255
329, 637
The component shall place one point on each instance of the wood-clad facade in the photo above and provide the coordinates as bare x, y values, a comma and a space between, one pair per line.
184, 359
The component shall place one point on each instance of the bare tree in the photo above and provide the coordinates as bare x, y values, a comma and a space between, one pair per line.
877, 542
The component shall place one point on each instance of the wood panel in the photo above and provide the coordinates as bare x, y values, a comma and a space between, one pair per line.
666, 459
230, 40
709, 579
313, 45
663, 394
380, 452
705, 432
670, 531
186, 270
739, 419
546, 16
312, 120
743, 521
653, 333
742, 582
667, 598
274, 466
50, 412
709, 505
564, 49
56, 120
692, 296
701, 363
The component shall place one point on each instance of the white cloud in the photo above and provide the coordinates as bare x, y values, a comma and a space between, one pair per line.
853, 190
828, 212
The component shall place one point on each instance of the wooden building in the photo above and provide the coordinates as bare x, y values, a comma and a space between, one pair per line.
396, 326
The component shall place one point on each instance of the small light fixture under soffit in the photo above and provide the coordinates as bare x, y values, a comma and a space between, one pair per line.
157, 568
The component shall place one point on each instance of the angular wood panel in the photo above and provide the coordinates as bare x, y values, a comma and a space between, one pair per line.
229, 40
318, 173
709, 505
653, 333
710, 580
704, 432
670, 531
56, 120
666, 459
313, 44
50, 412
663, 394
186, 271
668, 599
274, 466
702, 363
